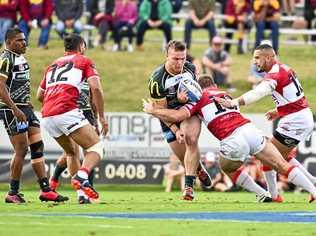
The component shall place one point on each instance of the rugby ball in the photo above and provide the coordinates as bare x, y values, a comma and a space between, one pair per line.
192, 88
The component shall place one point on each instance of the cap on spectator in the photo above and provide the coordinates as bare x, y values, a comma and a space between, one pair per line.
210, 157
217, 40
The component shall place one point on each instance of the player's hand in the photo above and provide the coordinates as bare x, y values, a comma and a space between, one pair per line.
272, 115
223, 102
180, 136
182, 97
105, 126
148, 106
20, 116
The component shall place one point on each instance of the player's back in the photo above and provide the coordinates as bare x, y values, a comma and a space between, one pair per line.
288, 93
62, 83
220, 121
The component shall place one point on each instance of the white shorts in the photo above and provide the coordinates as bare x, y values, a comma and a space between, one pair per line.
298, 125
65, 123
244, 142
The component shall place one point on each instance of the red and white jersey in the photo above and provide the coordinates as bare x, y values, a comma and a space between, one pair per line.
62, 83
220, 121
288, 93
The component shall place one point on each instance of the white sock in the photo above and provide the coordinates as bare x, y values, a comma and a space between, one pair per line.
295, 162
80, 193
297, 177
82, 174
244, 180
271, 179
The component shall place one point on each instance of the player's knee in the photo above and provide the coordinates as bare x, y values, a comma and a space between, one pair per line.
21, 149
37, 150
191, 140
98, 148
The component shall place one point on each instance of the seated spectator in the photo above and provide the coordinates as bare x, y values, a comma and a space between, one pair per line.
221, 181
103, 20
288, 7
154, 14
217, 63
236, 17
267, 16
8, 11
201, 15
40, 12
68, 14
174, 173
309, 15
125, 16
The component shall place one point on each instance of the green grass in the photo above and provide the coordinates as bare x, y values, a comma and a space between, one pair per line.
124, 75
24, 219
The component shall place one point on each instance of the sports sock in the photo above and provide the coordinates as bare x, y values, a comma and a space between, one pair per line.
83, 173
295, 162
44, 185
57, 172
91, 177
296, 176
80, 193
189, 180
271, 179
14, 186
244, 180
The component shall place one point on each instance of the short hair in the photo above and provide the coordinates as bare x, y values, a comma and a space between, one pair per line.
72, 42
205, 81
176, 45
12, 33
264, 46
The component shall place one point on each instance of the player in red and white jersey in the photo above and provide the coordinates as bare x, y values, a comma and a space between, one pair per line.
62, 118
239, 139
296, 118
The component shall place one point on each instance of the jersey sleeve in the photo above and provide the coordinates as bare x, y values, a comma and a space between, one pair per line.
272, 79
156, 91
5, 67
192, 108
90, 69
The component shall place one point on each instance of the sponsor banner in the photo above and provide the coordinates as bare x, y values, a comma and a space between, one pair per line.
107, 172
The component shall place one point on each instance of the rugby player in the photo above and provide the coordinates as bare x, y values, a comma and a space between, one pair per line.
17, 114
238, 137
163, 85
296, 118
61, 116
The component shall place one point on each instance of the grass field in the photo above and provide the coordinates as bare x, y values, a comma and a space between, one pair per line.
35, 218
124, 75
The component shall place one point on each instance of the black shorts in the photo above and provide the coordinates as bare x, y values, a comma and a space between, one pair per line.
88, 114
167, 132
10, 121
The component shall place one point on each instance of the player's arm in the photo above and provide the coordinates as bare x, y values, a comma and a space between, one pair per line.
264, 88
40, 94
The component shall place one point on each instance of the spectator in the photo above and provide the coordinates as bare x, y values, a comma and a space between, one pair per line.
267, 15
236, 17
104, 22
174, 173
154, 14
288, 7
125, 17
201, 15
217, 63
176, 5
220, 181
7, 17
68, 13
39, 12
310, 14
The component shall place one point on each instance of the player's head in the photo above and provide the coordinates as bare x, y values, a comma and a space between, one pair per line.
206, 81
74, 43
264, 57
15, 40
176, 52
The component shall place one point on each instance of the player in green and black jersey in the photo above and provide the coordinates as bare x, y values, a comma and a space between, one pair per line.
17, 114
163, 86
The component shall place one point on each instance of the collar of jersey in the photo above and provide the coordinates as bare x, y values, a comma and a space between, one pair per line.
12, 52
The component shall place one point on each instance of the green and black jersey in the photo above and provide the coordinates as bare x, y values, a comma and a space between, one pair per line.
163, 85
84, 97
16, 70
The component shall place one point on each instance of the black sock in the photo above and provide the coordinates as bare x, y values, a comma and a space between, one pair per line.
189, 180
14, 186
91, 177
57, 172
44, 185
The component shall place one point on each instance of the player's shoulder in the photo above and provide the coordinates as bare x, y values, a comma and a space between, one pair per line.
7, 56
158, 73
189, 66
